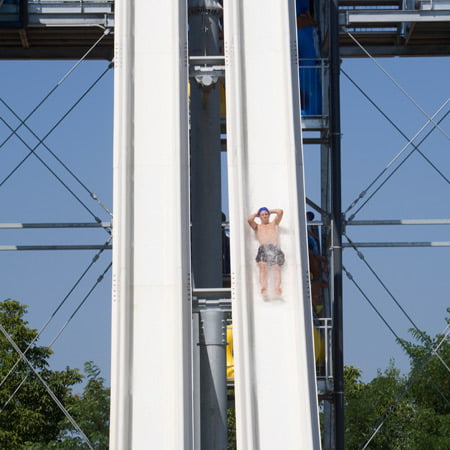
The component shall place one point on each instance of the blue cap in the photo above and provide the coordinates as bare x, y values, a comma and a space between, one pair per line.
260, 210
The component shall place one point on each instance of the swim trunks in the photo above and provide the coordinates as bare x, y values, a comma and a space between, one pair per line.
270, 254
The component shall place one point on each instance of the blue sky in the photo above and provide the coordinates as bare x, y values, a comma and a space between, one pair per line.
42, 279
417, 278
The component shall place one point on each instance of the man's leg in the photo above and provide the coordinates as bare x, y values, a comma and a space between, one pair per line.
263, 276
277, 279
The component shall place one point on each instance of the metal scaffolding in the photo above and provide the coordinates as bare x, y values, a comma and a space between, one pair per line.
349, 28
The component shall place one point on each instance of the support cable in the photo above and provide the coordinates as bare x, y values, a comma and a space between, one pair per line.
390, 409
350, 277
409, 141
99, 279
57, 85
397, 84
47, 387
361, 256
23, 357
442, 361
14, 132
83, 185
52, 316
19, 386
437, 348
33, 150
363, 193
434, 351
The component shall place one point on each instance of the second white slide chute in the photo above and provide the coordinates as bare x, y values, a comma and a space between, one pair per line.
276, 399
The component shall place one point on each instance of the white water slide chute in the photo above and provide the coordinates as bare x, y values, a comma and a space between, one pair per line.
275, 383
151, 397
151, 385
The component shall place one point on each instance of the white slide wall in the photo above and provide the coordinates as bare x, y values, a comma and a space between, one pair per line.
151, 405
276, 399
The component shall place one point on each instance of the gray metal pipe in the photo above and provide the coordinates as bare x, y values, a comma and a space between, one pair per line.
213, 399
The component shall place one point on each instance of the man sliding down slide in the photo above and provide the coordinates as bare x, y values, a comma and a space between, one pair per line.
269, 252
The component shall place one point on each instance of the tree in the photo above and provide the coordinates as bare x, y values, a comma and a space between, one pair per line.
430, 361
368, 405
411, 412
28, 414
231, 423
91, 412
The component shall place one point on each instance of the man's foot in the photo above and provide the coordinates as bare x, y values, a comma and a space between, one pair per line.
278, 292
264, 293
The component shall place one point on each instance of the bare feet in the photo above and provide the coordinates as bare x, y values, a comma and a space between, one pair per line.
264, 293
278, 292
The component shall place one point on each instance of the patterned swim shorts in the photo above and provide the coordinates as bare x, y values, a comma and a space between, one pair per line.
270, 254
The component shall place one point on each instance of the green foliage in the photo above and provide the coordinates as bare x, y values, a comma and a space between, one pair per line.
231, 423
367, 403
412, 413
30, 419
91, 411
430, 359
30, 415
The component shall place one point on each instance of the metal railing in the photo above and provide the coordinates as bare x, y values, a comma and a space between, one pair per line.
324, 366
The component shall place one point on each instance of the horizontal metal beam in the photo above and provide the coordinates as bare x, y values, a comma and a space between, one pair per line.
223, 304
387, 16
387, 50
54, 52
397, 244
64, 7
79, 14
211, 293
55, 247
211, 60
56, 225
314, 124
400, 222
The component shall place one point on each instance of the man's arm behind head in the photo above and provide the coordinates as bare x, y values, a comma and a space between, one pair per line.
279, 215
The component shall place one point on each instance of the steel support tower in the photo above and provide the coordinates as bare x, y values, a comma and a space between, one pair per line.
65, 30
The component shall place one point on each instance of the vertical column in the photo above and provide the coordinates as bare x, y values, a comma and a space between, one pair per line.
213, 380
206, 197
336, 226
204, 40
151, 350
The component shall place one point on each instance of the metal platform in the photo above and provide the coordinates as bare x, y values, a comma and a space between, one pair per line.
395, 27
66, 29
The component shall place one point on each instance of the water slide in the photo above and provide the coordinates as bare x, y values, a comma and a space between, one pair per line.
275, 384
274, 359
151, 405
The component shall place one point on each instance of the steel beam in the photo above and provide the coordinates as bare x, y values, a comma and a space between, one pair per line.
391, 17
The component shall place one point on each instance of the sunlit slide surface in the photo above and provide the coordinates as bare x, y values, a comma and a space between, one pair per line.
276, 401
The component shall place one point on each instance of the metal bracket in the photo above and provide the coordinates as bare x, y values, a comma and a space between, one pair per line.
206, 70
